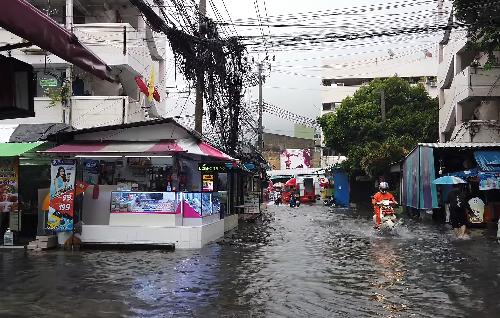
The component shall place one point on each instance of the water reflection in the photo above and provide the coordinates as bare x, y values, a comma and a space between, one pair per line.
294, 263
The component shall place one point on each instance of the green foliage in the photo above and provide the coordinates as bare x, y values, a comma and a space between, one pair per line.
482, 19
370, 144
58, 94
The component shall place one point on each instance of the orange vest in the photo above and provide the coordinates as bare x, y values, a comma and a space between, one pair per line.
379, 196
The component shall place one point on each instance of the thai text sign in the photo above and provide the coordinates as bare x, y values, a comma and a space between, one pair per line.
62, 195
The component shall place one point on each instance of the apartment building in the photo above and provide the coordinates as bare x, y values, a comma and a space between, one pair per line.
469, 93
343, 78
116, 32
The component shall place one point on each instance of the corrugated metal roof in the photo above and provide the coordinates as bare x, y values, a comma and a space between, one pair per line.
461, 145
36, 132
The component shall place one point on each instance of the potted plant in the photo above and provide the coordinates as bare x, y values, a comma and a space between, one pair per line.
58, 94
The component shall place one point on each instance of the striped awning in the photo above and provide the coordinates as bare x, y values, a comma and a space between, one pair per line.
143, 148
461, 145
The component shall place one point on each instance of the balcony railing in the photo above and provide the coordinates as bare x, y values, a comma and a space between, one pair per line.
91, 111
483, 131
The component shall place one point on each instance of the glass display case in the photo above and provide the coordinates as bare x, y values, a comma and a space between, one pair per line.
195, 204
145, 202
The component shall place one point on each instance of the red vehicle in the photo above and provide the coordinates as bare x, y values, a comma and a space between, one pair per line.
306, 193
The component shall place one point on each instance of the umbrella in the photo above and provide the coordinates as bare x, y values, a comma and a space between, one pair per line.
448, 180
291, 183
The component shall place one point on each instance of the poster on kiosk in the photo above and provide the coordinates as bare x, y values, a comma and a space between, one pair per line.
9, 173
62, 193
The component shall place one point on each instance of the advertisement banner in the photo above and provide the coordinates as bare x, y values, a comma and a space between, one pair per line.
489, 180
144, 202
295, 158
207, 182
9, 173
62, 194
91, 171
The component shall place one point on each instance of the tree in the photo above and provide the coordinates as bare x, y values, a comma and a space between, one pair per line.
372, 145
482, 19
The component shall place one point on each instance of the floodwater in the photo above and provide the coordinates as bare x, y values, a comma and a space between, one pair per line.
306, 262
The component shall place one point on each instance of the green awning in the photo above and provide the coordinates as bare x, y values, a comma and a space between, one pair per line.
17, 149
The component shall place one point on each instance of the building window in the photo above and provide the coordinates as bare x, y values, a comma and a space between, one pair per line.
328, 106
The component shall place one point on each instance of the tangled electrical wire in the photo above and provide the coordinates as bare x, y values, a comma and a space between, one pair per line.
204, 57
316, 29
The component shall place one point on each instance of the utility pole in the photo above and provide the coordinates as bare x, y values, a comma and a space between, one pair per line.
382, 104
200, 81
69, 69
261, 129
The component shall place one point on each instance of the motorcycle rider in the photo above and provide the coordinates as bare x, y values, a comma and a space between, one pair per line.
383, 194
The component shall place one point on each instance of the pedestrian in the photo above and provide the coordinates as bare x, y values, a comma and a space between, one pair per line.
458, 217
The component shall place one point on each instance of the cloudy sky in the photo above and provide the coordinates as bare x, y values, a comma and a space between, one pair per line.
293, 81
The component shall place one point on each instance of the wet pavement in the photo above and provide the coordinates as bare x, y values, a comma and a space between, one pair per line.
306, 262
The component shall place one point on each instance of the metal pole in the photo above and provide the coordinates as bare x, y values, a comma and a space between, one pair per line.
260, 142
198, 111
382, 104
124, 40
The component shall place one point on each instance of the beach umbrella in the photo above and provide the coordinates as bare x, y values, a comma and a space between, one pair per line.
448, 180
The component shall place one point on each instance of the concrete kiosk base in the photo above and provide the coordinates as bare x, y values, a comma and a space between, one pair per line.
182, 237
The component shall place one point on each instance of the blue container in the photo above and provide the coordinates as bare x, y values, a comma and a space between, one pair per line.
341, 191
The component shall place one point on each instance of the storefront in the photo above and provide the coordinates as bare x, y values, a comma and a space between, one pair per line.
477, 164
152, 182
21, 173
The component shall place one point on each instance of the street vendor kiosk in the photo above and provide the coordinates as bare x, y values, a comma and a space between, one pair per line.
141, 183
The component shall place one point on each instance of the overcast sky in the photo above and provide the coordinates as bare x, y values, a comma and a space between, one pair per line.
294, 81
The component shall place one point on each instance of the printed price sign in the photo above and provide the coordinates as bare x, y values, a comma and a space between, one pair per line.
62, 195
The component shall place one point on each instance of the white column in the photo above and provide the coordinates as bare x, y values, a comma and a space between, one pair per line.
69, 14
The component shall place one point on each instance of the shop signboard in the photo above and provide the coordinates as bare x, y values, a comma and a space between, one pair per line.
252, 202
213, 167
9, 174
62, 194
48, 82
144, 202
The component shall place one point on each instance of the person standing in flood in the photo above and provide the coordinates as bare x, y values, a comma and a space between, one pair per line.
458, 218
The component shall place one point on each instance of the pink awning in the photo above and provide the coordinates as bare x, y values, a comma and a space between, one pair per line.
165, 147
26, 21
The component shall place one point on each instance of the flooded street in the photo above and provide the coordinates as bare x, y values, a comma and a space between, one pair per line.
306, 262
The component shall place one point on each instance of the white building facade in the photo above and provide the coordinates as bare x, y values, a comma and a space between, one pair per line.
469, 94
116, 32
343, 78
